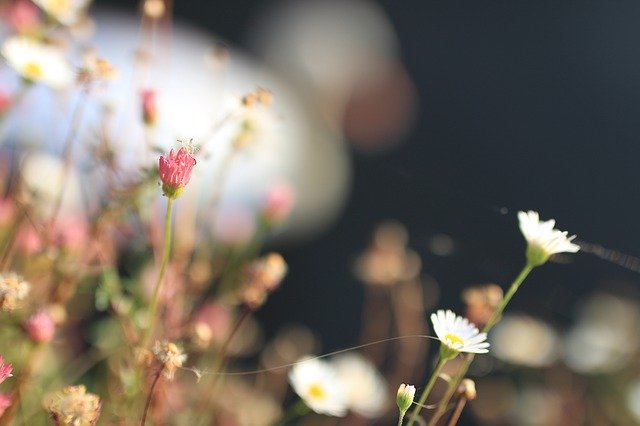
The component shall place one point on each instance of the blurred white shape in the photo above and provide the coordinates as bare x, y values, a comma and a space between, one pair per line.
605, 337
341, 56
633, 399
524, 340
192, 100
42, 179
537, 406
365, 388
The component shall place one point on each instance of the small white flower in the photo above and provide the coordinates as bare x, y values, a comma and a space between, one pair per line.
543, 241
458, 334
365, 388
38, 62
316, 382
67, 12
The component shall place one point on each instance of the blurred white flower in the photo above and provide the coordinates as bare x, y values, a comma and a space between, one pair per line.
38, 62
317, 383
365, 388
633, 399
67, 12
543, 241
524, 340
457, 333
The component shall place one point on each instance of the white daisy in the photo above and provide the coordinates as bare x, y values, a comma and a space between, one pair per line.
316, 382
365, 388
38, 62
457, 334
67, 12
542, 239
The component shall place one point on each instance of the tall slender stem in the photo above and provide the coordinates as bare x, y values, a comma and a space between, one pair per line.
153, 307
143, 421
453, 385
220, 361
427, 391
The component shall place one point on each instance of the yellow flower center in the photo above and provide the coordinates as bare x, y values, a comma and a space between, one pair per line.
317, 392
32, 70
58, 6
453, 339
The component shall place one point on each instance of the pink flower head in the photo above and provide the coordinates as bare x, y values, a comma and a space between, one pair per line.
5, 402
40, 327
5, 370
22, 16
149, 107
175, 171
279, 202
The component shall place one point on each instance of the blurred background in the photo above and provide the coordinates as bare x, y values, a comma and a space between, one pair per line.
447, 118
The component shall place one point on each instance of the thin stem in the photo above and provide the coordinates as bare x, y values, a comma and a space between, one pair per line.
299, 409
427, 390
453, 385
453, 421
153, 307
67, 152
220, 361
143, 421
512, 290
401, 417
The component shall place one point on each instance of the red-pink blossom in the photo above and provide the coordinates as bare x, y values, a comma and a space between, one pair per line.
40, 327
5, 369
175, 171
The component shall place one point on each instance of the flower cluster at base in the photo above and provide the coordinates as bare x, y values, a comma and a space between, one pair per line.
542, 240
457, 335
175, 171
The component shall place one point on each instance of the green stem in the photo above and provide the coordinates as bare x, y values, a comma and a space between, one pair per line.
153, 307
219, 363
426, 391
505, 300
299, 409
453, 385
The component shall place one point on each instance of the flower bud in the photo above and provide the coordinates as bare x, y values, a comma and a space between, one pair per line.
40, 327
405, 396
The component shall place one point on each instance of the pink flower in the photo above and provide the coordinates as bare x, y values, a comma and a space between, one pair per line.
149, 107
40, 327
22, 16
5, 370
5, 101
279, 203
175, 171
5, 402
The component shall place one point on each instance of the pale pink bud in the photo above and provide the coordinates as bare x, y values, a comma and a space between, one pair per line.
279, 202
149, 107
5, 101
5, 402
40, 327
22, 16
175, 171
5, 370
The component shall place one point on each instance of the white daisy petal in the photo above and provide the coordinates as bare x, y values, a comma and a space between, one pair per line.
542, 237
316, 382
38, 62
458, 333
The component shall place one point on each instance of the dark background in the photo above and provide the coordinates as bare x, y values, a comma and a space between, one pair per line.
523, 105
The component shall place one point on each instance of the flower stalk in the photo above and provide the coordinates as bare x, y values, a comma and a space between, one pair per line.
166, 254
